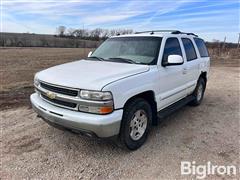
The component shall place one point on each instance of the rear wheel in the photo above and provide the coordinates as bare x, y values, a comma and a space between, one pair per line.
198, 92
136, 123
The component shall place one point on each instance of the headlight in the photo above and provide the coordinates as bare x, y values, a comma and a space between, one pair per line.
97, 102
36, 81
95, 95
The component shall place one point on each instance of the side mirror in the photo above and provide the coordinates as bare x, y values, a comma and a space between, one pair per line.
89, 54
174, 60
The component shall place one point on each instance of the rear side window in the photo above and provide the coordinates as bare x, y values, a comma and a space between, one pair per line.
201, 47
189, 49
172, 47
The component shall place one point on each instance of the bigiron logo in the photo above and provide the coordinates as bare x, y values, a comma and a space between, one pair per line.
202, 171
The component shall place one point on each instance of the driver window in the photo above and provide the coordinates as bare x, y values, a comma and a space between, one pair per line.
172, 47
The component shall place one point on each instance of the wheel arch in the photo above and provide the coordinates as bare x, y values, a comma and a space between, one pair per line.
204, 76
149, 96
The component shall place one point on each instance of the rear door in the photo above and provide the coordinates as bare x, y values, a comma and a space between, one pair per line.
191, 68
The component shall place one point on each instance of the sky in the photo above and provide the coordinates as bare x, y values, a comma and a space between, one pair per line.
210, 19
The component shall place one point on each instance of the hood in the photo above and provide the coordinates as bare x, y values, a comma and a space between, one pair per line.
87, 74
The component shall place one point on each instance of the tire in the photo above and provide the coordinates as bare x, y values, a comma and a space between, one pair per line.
198, 92
136, 123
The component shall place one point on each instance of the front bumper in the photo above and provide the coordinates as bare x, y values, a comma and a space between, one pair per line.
101, 125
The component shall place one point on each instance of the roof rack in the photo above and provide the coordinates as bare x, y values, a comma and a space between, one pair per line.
179, 32
153, 31
170, 31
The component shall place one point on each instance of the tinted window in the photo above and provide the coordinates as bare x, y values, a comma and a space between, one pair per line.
201, 47
189, 49
172, 47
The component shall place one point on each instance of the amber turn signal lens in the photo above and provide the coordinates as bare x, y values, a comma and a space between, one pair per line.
105, 110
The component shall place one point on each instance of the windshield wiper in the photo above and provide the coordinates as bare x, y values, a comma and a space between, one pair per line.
124, 60
96, 57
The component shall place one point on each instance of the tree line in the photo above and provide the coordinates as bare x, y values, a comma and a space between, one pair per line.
94, 34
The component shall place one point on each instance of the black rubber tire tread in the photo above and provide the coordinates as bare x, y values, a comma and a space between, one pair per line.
129, 110
195, 102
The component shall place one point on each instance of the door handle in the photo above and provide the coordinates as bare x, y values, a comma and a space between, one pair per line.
184, 70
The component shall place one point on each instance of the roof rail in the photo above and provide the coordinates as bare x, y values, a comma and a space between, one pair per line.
179, 32
153, 31
170, 31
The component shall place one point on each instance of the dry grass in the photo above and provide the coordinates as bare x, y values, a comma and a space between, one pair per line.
18, 66
225, 57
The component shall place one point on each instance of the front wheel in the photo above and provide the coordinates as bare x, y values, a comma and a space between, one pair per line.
136, 123
198, 92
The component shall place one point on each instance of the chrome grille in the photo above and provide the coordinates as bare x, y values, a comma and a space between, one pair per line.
57, 89
60, 102
61, 96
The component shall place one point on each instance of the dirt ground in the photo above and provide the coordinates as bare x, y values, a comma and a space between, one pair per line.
31, 149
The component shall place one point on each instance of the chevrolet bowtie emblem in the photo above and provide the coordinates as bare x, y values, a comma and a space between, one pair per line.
51, 95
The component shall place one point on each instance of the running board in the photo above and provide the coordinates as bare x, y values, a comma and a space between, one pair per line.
170, 109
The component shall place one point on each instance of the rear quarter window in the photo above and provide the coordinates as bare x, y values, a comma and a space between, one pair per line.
201, 47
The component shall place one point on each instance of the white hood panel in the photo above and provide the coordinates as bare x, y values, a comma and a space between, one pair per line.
86, 74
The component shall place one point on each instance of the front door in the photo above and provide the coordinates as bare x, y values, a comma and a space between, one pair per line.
172, 79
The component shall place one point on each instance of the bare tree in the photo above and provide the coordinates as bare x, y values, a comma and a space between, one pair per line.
105, 34
113, 32
70, 32
95, 34
79, 33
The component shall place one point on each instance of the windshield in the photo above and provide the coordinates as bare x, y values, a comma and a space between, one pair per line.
135, 50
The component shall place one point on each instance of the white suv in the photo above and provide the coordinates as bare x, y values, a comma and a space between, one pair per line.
125, 85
